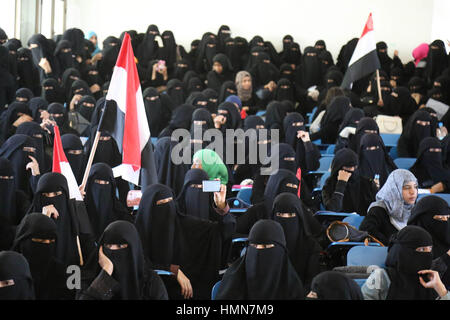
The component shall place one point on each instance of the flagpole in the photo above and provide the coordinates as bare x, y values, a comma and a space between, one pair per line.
380, 97
92, 153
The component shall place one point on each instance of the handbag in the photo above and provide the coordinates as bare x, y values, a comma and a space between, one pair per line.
389, 124
339, 231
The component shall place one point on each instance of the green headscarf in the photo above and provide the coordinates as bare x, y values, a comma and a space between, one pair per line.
212, 164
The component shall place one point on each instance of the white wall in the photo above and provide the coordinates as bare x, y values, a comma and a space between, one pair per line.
7, 16
441, 22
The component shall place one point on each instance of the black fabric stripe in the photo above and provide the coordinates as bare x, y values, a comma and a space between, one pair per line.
361, 68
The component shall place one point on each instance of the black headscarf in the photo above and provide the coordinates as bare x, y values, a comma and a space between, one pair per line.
413, 133
228, 88
428, 167
52, 92
111, 49
37, 105
9, 214
181, 67
229, 110
69, 76
383, 56
77, 161
175, 90
154, 110
56, 109
253, 122
345, 158
169, 51
334, 285
66, 247
14, 266
76, 39
12, 114
437, 60
128, 262
148, 49
34, 130
310, 70
422, 215
292, 123
27, 71
24, 95
12, 149
181, 119
352, 118
263, 274
192, 201
372, 162
169, 174
264, 71
365, 125
296, 230
40, 256
274, 115
213, 97
86, 106
102, 205
43, 50
403, 262
194, 84
282, 181
285, 90
63, 54
107, 150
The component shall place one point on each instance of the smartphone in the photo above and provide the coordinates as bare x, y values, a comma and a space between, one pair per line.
161, 65
211, 185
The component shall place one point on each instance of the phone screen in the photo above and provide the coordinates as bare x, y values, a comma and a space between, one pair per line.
211, 185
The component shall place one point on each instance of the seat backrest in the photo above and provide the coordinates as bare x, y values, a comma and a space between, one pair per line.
367, 256
404, 163
445, 196
390, 139
214, 290
325, 163
245, 194
354, 220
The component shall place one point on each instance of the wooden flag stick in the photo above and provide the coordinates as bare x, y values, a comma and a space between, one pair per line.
379, 88
79, 251
91, 159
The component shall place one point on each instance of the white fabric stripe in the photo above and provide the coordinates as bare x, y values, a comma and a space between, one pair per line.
74, 192
118, 88
363, 47
144, 131
127, 173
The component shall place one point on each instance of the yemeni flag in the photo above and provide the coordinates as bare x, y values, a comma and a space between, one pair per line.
61, 165
364, 59
130, 128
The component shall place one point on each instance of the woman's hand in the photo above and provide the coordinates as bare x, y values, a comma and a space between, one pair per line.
344, 175
185, 284
104, 262
220, 197
33, 165
434, 282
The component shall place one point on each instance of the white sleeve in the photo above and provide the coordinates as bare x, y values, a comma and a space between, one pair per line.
376, 286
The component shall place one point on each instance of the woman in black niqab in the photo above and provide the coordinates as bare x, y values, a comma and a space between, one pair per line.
61, 117
374, 159
157, 116
52, 189
132, 277
73, 148
265, 271
41, 141
175, 90
428, 213
27, 72
63, 54
52, 92
428, 167
14, 266
418, 127
102, 205
37, 105
43, 49
302, 248
49, 274
404, 261
334, 285
437, 61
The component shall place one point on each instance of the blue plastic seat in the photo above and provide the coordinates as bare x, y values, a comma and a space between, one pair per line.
404, 163
164, 272
154, 140
354, 220
445, 196
325, 165
393, 153
237, 205
245, 194
311, 114
214, 290
390, 139
367, 256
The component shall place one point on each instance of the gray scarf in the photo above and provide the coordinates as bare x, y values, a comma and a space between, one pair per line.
391, 199
243, 94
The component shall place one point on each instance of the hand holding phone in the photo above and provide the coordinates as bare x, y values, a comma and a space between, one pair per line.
211, 185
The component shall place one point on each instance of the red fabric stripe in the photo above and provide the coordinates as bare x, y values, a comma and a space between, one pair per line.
131, 146
369, 26
58, 151
299, 177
